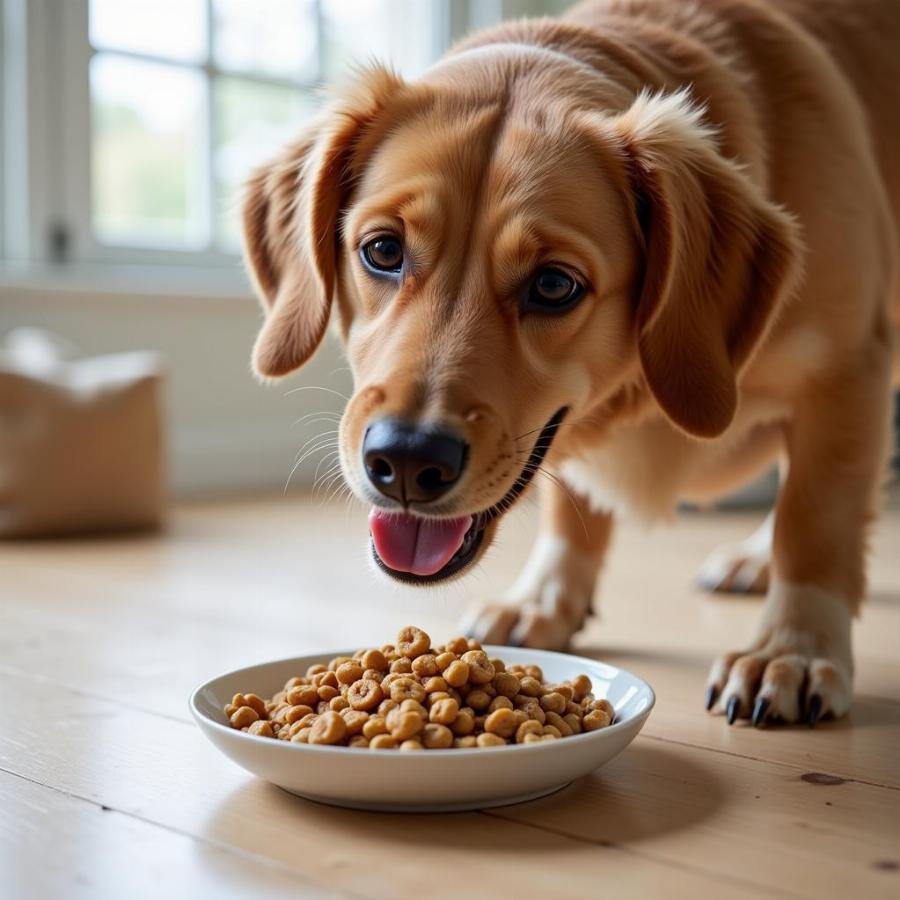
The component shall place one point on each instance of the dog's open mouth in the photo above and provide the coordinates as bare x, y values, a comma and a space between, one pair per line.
419, 549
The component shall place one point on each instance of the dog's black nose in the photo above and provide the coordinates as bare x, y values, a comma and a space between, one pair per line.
410, 462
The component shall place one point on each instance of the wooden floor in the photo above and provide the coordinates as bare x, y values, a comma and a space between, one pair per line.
109, 790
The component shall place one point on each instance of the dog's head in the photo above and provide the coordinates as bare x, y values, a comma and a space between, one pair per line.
502, 261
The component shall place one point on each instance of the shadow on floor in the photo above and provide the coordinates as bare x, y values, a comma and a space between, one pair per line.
607, 808
686, 659
881, 598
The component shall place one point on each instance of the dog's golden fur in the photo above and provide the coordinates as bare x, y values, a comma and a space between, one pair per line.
725, 176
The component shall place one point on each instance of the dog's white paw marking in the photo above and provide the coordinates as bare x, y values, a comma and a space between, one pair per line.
547, 605
799, 667
741, 568
491, 623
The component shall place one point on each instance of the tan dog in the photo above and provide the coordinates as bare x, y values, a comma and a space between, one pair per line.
645, 250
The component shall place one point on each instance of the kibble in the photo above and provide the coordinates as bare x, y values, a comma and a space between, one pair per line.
329, 728
437, 737
349, 672
416, 696
261, 728
375, 726
444, 712
244, 717
502, 722
456, 674
364, 694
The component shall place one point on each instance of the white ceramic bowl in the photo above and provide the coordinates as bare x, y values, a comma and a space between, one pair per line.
430, 780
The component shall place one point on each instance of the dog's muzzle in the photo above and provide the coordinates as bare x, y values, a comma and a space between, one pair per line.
425, 549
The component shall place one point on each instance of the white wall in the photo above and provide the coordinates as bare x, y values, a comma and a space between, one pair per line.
226, 431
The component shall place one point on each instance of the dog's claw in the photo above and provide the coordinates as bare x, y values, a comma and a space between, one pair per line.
712, 693
759, 711
814, 711
732, 710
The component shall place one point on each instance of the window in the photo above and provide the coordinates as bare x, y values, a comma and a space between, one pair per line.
147, 115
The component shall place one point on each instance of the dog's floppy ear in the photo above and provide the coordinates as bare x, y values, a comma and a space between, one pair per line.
290, 220
718, 259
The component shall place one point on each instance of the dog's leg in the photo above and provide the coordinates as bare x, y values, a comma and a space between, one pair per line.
741, 568
552, 596
799, 665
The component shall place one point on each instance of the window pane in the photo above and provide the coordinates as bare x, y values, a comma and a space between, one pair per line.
356, 33
173, 29
267, 37
148, 153
252, 122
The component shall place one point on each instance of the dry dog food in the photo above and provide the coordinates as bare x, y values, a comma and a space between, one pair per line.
411, 695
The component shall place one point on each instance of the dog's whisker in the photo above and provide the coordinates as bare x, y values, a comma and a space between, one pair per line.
333, 486
339, 490
290, 476
315, 387
335, 466
342, 489
559, 426
565, 488
332, 468
306, 456
327, 475
320, 412
317, 437
317, 417
323, 442
320, 494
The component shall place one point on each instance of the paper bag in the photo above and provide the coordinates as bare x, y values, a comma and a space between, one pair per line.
80, 440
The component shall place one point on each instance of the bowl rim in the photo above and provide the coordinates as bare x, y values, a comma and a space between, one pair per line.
338, 752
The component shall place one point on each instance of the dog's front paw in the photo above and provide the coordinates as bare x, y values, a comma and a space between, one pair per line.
521, 626
741, 568
731, 570
547, 605
799, 668
771, 685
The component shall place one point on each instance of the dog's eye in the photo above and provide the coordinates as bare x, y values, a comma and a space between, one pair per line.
553, 290
383, 254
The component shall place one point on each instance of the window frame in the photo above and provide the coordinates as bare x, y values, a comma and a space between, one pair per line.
4, 102
77, 123
53, 125
15, 166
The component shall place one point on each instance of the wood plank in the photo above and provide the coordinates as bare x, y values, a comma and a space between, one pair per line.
55, 845
93, 633
164, 772
862, 746
92, 640
759, 822
664, 804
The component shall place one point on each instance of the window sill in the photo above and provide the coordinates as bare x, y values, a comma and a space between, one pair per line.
216, 283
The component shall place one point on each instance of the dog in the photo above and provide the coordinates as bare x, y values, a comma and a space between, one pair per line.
643, 251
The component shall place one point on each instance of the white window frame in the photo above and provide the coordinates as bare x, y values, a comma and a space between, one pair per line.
15, 166
47, 157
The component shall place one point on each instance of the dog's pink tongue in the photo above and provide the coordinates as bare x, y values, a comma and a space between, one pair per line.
408, 543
